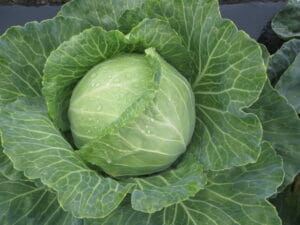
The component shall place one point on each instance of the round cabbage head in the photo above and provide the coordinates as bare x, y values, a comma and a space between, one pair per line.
138, 128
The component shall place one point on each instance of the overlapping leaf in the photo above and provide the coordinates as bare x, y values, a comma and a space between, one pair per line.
71, 61
168, 188
7, 170
22, 203
288, 204
282, 59
35, 146
158, 34
24, 51
286, 22
289, 84
281, 128
284, 70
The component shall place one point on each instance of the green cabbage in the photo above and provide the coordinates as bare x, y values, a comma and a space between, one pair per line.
141, 112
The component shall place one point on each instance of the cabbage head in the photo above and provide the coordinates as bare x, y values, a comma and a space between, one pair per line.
152, 139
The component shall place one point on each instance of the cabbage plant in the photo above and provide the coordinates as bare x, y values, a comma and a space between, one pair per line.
140, 112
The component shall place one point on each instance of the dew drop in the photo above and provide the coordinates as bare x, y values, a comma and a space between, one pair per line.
119, 96
99, 107
108, 160
148, 131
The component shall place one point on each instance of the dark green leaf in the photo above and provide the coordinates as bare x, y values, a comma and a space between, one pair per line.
22, 203
281, 128
289, 84
287, 22
282, 59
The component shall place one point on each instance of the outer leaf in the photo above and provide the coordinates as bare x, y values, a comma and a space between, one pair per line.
125, 215
7, 169
99, 13
69, 63
289, 84
36, 147
23, 53
22, 203
282, 59
170, 187
286, 23
230, 68
235, 196
288, 204
281, 128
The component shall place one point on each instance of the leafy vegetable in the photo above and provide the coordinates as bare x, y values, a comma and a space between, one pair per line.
142, 112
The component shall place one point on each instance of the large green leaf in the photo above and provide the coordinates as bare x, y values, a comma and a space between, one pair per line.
289, 84
281, 128
234, 196
23, 53
105, 14
22, 203
229, 68
287, 22
70, 62
282, 59
35, 146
